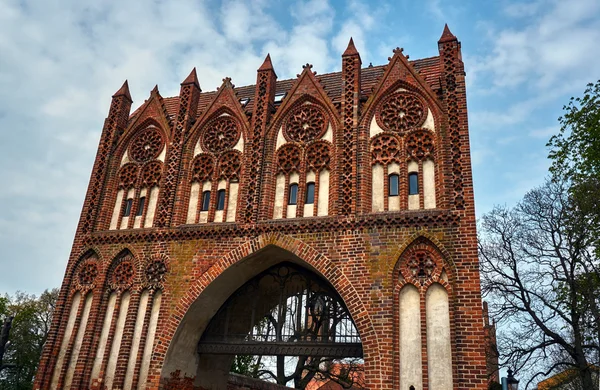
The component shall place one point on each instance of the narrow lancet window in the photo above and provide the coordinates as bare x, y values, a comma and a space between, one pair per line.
293, 196
413, 183
310, 193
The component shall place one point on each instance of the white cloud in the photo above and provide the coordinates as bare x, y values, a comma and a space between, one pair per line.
558, 43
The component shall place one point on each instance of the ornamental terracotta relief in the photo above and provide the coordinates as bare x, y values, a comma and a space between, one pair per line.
289, 158
421, 266
230, 164
87, 274
401, 112
318, 155
146, 145
128, 175
419, 144
123, 273
202, 167
305, 123
155, 271
220, 135
385, 149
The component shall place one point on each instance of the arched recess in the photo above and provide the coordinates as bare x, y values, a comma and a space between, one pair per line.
425, 269
306, 123
370, 127
136, 172
213, 159
193, 313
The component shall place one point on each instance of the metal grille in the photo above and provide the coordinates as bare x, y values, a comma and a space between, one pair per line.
284, 311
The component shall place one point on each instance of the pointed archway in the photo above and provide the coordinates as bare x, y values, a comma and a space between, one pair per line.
197, 308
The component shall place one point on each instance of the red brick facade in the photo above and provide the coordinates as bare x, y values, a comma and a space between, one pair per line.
366, 256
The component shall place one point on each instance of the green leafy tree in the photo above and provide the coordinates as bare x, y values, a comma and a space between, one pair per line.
30, 327
575, 155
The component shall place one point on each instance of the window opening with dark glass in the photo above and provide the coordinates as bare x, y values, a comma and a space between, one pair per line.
220, 199
393, 185
310, 193
140, 209
128, 205
205, 200
413, 183
293, 198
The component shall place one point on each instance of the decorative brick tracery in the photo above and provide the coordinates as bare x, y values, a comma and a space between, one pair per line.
289, 158
128, 176
87, 274
156, 271
385, 149
401, 112
146, 145
318, 156
230, 164
151, 174
202, 167
122, 273
305, 123
419, 145
220, 135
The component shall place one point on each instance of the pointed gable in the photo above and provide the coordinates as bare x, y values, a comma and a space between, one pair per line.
400, 69
153, 109
305, 86
225, 99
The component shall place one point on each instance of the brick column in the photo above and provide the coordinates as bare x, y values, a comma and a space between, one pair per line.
186, 114
346, 143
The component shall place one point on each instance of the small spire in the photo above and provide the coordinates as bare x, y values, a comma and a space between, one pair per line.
351, 49
123, 91
192, 79
267, 65
447, 35
154, 90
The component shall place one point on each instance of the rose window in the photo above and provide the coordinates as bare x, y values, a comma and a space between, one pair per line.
221, 135
155, 271
88, 273
147, 145
123, 273
305, 123
401, 112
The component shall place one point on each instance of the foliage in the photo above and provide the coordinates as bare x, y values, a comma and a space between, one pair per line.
575, 150
575, 154
540, 271
30, 327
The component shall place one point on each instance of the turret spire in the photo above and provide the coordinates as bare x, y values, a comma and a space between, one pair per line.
123, 91
447, 35
192, 78
351, 49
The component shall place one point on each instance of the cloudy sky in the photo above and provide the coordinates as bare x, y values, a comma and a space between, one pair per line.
61, 60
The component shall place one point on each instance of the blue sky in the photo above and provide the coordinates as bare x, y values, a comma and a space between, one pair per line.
61, 60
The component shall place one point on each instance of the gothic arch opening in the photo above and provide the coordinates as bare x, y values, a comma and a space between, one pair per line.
274, 315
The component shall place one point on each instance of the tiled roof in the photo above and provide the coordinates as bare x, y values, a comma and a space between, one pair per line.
429, 68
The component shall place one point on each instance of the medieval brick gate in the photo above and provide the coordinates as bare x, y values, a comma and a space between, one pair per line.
360, 179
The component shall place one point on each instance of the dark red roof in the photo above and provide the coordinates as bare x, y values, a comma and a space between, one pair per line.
429, 68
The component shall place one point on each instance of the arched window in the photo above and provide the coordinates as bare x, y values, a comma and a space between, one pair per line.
128, 205
413, 183
205, 200
310, 193
393, 184
220, 199
140, 209
293, 196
